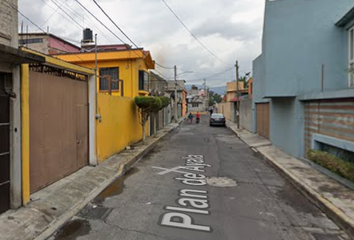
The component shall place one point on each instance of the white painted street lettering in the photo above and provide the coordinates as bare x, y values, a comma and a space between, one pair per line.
175, 169
191, 201
186, 193
187, 210
186, 222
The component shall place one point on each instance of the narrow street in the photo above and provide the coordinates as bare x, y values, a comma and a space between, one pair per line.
164, 196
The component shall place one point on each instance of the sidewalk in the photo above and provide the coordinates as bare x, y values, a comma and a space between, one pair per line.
53, 206
332, 197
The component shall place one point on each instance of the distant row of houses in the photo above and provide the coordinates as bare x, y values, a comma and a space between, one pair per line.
57, 114
303, 96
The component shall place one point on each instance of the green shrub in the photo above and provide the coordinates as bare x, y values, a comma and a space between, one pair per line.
156, 104
332, 163
165, 101
144, 102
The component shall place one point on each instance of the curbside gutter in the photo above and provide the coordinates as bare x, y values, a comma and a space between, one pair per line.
346, 223
123, 167
331, 210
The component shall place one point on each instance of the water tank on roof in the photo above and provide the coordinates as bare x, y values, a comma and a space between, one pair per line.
88, 38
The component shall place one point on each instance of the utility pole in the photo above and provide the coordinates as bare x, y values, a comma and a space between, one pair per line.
176, 106
206, 101
238, 99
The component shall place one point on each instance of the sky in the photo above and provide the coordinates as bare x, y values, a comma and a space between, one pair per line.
230, 30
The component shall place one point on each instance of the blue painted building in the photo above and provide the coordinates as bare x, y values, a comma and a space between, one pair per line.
302, 74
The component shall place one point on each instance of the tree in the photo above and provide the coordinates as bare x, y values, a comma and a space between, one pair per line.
214, 98
146, 105
163, 102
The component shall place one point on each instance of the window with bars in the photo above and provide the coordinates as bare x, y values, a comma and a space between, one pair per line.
351, 56
114, 77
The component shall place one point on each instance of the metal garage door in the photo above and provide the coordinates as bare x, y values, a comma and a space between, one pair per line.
4, 146
58, 127
263, 119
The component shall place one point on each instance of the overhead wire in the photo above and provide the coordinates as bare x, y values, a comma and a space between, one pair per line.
160, 74
54, 13
163, 66
115, 24
82, 27
71, 9
99, 21
16, 9
190, 32
214, 75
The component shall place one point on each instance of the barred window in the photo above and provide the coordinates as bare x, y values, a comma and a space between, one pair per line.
104, 82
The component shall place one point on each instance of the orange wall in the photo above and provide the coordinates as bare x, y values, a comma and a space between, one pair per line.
184, 103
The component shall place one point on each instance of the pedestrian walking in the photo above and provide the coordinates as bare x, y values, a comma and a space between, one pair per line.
197, 117
190, 118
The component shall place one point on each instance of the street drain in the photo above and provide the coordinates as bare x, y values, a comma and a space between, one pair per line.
221, 182
95, 212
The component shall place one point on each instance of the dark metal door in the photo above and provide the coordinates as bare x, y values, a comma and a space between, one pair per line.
4, 145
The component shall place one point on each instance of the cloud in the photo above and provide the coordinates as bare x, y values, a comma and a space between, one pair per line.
231, 29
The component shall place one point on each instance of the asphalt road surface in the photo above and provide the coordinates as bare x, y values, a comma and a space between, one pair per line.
201, 183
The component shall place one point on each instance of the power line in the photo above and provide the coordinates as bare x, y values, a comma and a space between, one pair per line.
192, 33
83, 18
55, 11
115, 24
16, 9
214, 75
163, 66
160, 73
68, 14
100, 21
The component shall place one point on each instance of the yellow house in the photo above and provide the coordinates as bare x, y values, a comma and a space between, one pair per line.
122, 74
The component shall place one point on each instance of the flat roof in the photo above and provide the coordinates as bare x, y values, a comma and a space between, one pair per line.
50, 35
346, 18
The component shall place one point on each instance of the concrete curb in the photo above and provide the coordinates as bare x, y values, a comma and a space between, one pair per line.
123, 167
343, 221
346, 223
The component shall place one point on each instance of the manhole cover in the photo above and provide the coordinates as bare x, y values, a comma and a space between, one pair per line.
221, 182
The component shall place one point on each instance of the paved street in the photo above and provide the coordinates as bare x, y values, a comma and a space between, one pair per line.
201, 182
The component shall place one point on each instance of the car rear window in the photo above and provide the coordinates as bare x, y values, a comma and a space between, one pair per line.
217, 115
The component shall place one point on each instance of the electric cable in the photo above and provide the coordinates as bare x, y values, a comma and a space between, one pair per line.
115, 24
82, 27
55, 11
214, 75
160, 73
72, 10
16, 9
192, 33
99, 21
163, 66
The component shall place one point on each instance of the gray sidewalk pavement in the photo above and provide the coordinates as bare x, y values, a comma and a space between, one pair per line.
332, 197
53, 206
